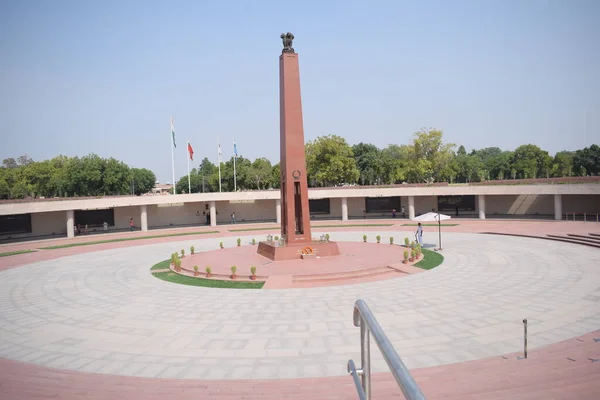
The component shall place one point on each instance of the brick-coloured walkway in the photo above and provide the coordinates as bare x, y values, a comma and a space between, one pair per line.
92, 302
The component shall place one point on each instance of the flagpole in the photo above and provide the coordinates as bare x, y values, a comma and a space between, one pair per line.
234, 157
173, 154
188, 164
219, 160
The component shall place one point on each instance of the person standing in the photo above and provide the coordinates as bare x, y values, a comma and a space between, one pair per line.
393, 213
419, 233
105, 225
456, 210
131, 224
233, 217
403, 212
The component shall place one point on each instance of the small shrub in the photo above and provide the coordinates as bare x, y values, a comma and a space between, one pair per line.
378, 238
419, 250
178, 265
221, 244
413, 245
173, 258
405, 255
253, 270
182, 253
239, 242
192, 250
365, 238
253, 241
327, 237
391, 240
406, 241
413, 253
195, 270
208, 271
233, 269
276, 238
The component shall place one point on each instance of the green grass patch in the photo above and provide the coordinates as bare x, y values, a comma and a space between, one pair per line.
161, 265
14, 253
347, 225
254, 229
430, 224
188, 280
62, 246
431, 259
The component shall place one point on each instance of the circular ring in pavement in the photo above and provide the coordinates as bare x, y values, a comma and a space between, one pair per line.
102, 312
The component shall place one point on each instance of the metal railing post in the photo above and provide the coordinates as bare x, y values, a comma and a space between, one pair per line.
365, 358
364, 318
525, 337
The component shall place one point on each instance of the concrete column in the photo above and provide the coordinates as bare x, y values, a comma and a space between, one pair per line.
344, 209
278, 210
558, 207
481, 205
70, 223
144, 217
411, 207
213, 213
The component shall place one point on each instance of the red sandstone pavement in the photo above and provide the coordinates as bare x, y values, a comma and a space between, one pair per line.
364, 263
559, 371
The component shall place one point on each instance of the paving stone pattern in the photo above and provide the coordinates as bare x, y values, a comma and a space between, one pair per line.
103, 312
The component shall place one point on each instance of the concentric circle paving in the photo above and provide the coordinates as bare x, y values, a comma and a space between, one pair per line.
102, 312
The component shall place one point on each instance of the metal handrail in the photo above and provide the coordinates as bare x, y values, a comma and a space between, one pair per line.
364, 318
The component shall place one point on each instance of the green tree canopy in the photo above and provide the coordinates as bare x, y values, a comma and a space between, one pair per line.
330, 161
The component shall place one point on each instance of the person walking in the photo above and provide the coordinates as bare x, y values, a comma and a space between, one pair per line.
419, 233
233, 217
131, 224
403, 212
393, 213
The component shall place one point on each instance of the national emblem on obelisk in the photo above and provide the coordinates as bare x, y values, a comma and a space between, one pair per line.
287, 38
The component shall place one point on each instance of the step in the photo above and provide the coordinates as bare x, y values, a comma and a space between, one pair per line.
343, 275
567, 239
587, 238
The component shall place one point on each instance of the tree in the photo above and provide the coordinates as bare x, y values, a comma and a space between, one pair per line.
562, 165
9, 163
143, 180
430, 157
260, 174
24, 160
366, 156
330, 161
529, 161
588, 160
276, 176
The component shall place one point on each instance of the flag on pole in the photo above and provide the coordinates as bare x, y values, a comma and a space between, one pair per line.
235, 153
191, 151
173, 132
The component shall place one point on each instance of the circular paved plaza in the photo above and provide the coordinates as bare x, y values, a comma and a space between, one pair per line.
103, 312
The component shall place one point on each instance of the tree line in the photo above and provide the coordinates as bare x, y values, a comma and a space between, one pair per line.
330, 161
65, 176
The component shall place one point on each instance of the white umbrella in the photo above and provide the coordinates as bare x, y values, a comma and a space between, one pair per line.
434, 217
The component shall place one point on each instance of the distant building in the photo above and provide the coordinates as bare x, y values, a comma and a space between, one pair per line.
162, 188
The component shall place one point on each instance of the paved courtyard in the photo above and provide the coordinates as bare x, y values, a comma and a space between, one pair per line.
103, 312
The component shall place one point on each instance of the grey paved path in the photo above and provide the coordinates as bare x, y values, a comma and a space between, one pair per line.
103, 312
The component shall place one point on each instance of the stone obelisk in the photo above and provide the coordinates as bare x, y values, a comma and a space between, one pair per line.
295, 214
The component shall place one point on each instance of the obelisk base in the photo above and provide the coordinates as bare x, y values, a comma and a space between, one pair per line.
297, 251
